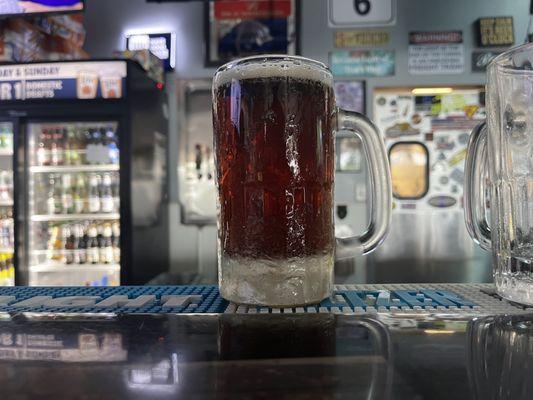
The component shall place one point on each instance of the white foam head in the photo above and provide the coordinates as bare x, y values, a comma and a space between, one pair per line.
273, 66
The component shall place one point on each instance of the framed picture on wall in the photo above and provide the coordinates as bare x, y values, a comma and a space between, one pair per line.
350, 95
241, 28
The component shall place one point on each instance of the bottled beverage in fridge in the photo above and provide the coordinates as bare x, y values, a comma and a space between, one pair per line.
115, 241
67, 195
72, 147
93, 252
107, 255
82, 244
69, 245
57, 244
107, 203
57, 151
5, 190
80, 195
43, 148
94, 205
55, 196
112, 146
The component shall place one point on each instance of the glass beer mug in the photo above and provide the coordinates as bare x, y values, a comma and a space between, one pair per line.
502, 148
274, 122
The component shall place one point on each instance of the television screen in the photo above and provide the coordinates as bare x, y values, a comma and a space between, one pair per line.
14, 7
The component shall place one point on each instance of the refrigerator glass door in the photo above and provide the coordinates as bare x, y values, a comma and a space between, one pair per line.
7, 237
73, 204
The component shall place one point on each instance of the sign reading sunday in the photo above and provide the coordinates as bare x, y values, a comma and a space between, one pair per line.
67, 80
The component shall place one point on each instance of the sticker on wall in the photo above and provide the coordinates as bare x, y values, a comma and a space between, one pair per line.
432, 53
362, 63
350, 95
495, 31
361, 38
482, 58
350, 13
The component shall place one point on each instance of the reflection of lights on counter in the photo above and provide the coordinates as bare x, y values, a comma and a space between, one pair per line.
435, 90
438, 332
162, 377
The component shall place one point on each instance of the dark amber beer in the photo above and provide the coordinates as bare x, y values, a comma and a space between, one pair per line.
274, 121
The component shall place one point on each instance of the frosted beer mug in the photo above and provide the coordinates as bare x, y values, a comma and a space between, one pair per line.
274, 123
503, 147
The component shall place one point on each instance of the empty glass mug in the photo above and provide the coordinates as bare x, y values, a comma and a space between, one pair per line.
500, 162
274, 121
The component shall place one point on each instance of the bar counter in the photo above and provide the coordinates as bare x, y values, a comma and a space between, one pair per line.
422, 353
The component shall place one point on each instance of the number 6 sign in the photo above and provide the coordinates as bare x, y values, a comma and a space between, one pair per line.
354, 13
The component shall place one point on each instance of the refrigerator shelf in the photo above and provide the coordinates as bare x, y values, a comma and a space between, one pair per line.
75, 168
6, 152
75, 217
7, 250
6, 203
75, 267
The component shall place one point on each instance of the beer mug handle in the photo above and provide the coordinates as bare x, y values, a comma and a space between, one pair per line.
474, 194
380, 179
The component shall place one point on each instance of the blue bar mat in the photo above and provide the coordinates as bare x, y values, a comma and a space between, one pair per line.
206, 299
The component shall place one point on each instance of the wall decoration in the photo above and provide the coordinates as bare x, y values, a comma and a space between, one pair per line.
240, 28
350, 95
360, 38
440, 121
362, 63
352, 13
482, 58
435, 53
495, 31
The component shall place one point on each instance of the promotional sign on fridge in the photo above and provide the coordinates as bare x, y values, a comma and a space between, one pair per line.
88, 159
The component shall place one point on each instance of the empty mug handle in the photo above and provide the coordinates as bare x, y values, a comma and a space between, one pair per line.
380, 179
474, 196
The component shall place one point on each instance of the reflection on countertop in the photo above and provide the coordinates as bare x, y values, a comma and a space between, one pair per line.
232, 356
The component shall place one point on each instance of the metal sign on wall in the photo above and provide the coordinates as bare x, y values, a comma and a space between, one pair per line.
361, 38
495, 31
352, 13
437, 52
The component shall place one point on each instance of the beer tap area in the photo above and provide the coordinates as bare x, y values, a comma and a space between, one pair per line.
255, 199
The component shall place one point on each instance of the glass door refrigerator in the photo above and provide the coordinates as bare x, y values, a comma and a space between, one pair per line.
90, 181
73, 203
7, 226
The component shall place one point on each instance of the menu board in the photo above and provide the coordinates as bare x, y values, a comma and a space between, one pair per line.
428, 132
14, 7
63, 80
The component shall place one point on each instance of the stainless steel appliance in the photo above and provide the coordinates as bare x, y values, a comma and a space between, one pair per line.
426, 131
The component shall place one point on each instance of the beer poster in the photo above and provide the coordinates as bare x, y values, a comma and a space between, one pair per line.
237, 28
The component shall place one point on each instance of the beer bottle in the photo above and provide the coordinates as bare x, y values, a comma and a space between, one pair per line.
57, 196
51, 202
93, 253
67, 196
115, 240
112, 146
107, 203
81, 138
57, 254
72, 155
101, 244
42, 149
115, 189
108, 244
80, 195
82, 244
57, 149
94, 194
69, 245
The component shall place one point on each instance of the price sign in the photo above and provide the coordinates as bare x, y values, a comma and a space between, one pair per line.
353, 13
